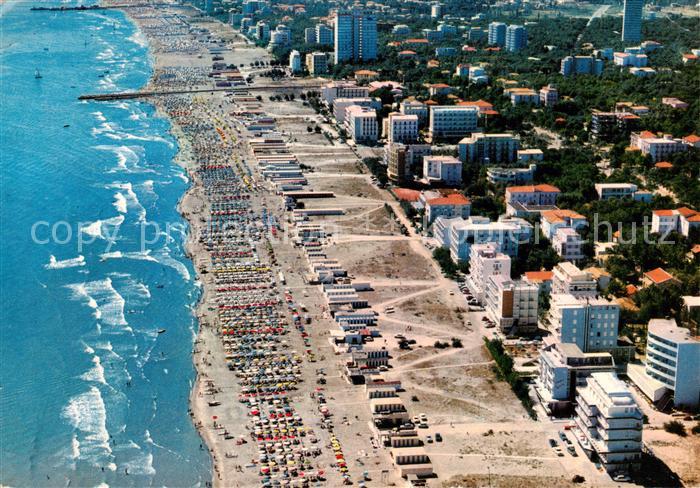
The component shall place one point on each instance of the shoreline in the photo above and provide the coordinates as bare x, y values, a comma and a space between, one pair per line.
184, 158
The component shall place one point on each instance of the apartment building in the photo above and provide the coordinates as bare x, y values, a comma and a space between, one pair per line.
361, 124
355, 36
682, 220
442, 169
567, 278
342, 89
511, 176
581, 65
317, 63
659, 148
489, 148
590, 323
485, 261
568, 244
610, 422
552, 220
563, 369
414, 107
452, 205
506, 235
512, 303
523, 96
402, 159
452, 121
549, 96
607, 191
516, 38
522, 200
340, 106
401, 128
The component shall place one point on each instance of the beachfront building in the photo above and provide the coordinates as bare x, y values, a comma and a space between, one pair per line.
342, 89
632, 20
516, 38
361, 124
512, 304
590, 323
523, 200
606, 191
317, 63
610, 422
682, 220
672, 364
581, 65
452, 121
488, 148
355, 36
549, 95
401, 128
414, 107
563, 369
442, 169
485, 261
295, 61
567, 278
497, 34
401, 159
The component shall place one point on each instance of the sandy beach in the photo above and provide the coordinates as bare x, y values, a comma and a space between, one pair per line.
454, 387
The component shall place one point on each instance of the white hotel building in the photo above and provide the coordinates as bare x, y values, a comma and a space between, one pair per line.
609, 423
361, 124
452, 121
401, 128
485, 261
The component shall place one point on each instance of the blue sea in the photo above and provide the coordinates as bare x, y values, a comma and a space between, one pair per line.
91, 393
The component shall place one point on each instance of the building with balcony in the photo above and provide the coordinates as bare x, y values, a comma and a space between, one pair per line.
488, 148
563, 369
452, 121
512, 304
567, 278
485, 261
609, 422
590, 323
442, 169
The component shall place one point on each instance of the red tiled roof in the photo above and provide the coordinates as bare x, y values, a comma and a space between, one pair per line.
452, 199
630, 290
692, 139
658, 275
695, 249
416, 41
406, 194
663, 213
664, 165
686, 212
539, 275
533, 189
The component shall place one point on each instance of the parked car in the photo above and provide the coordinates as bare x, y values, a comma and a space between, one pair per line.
438, 437
429, 439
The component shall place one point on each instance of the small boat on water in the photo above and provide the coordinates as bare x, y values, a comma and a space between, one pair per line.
37, 75
160, 331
